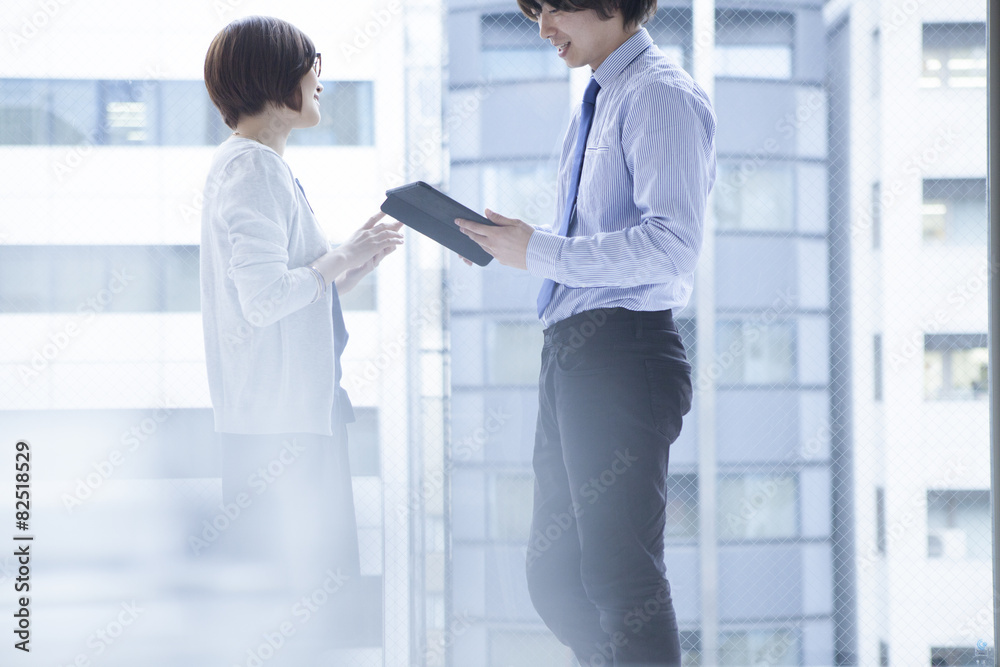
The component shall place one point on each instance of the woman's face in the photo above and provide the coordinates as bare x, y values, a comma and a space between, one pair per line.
310, 87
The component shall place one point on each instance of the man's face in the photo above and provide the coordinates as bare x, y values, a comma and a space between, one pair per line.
581, 38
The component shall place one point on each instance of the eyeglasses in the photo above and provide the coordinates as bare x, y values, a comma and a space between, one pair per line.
318, 63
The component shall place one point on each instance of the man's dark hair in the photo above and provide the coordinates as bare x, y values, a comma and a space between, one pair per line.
634, 12
256, 60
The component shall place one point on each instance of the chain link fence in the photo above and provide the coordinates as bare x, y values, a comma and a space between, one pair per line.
828, 498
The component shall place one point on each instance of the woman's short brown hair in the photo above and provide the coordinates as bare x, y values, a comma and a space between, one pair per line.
634, 12
256, 60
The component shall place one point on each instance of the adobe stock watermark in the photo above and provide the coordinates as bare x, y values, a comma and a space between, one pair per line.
368, 34
61, 339
429, 147
915, 165
230, 512
971, 286
592, 490
907, 516
130, 440
34, 23
755, 502
77, 155
436, 649
391, 350
102, 639
302, 611
753, 329
462, 450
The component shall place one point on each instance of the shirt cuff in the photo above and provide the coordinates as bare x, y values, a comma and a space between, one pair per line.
542, 257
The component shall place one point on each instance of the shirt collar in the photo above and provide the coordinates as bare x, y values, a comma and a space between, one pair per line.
621, 57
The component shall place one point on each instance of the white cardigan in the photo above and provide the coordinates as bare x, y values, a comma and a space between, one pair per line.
269, 347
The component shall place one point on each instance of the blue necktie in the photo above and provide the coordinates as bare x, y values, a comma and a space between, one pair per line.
586, 118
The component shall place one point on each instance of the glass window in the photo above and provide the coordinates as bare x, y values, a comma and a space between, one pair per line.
513, 495
363, 296
682, 507
959, 525
877, 365
754, 44
515, 350
168, 113
883, 654
756, 506
518, 64
526, 188
751, 352
954, 211
954, 55
955, 366
187, 116
70, 279
513, 648
347, 117
880, 520
674, 53
958, 656
876, 215
37, 112
181, 286
758, 647
126, 112
755, 61
690, 648
363, 442
751, 196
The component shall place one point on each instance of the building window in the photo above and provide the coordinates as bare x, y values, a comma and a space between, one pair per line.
880, 520
512, 51
956, 366
954, 211
876, 215
167, 113
758, 647
753, 197
98, 279
347, 117
750, 352
515, 350
883, 654
958, 656
674, 53
682, 507
959, 525
513, 495
525, 188
754, 44
877, 365
954, 55
757, 506
690, 647
753, 61
363, 442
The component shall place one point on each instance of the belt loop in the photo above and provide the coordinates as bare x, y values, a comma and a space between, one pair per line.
638, 324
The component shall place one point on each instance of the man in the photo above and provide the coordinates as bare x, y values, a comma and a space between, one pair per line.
615, 382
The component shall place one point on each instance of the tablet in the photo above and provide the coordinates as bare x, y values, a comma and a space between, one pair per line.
433, 213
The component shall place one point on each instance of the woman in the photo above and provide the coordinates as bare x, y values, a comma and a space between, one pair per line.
274, 331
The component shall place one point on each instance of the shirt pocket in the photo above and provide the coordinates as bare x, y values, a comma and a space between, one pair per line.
595, 176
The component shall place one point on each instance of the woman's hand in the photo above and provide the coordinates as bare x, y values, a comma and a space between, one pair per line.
362, 252
349, 279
